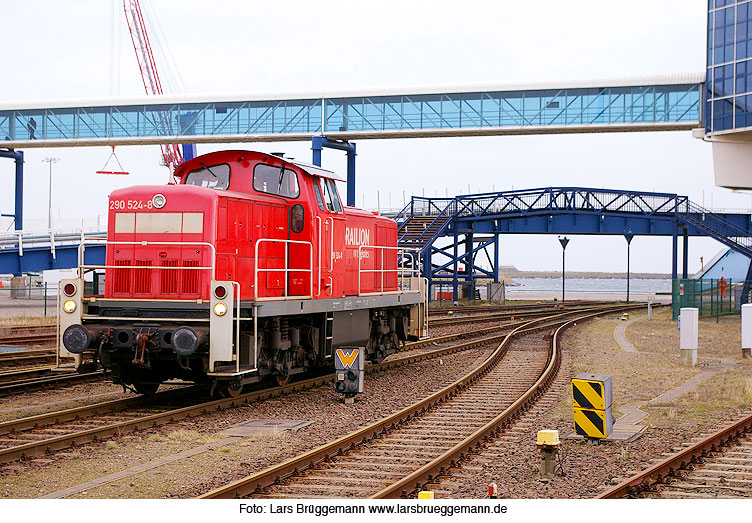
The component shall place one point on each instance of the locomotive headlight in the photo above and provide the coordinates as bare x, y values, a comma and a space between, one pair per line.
69, 306
159, 201
220, 309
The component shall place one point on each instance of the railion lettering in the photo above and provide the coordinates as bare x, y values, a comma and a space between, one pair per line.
357, 236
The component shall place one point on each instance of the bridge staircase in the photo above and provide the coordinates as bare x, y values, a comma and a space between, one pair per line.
424, 220
717, 227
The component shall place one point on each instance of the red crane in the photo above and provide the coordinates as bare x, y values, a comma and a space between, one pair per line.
152, 85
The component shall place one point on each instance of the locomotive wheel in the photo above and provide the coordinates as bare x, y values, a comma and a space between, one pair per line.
234, 391
283, 369
146, 388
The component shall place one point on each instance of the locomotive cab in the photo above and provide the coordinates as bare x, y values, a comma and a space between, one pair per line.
249, 267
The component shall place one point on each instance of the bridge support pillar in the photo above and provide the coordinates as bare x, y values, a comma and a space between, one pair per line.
455, 269
319, 142
685, 252
496, 259
674, 250
17, 215
469, 263
747, 284
427, 267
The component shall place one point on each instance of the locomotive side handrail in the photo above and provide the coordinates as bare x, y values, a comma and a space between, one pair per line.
413, 268
330, 263
286, 270
99, 241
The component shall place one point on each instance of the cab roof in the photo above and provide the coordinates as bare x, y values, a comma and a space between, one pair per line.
305, 167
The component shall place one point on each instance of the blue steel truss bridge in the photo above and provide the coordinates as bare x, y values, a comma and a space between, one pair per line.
459, 237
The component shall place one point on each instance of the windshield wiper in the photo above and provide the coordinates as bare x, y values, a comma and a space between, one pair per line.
281, 176
210, 171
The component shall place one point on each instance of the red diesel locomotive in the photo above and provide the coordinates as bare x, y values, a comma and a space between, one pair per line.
249, 266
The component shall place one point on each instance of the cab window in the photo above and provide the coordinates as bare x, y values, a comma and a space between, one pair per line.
317, 191
272, 180
212, 176
330, 195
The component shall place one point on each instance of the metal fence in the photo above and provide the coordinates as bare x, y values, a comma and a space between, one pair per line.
712, 297
39, 299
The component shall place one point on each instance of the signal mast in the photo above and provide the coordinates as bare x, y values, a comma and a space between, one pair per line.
152, 85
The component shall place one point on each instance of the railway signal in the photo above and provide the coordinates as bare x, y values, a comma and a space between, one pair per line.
348, 366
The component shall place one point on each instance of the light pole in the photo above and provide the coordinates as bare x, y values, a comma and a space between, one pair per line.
628, 236
50, 161
563, 241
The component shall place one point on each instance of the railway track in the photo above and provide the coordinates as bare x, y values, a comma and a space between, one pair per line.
36, 335
26, 357
47, 382
28, 437
437, 311
396, 456
28, 379
16, 375
717, 466
36, 435
526, 314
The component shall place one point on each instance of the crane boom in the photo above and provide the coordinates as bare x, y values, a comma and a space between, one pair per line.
150, 76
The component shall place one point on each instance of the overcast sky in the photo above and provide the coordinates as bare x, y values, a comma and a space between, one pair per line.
62, 50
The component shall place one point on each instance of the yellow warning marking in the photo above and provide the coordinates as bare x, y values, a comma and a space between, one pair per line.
590, 423
588, 394
347, 358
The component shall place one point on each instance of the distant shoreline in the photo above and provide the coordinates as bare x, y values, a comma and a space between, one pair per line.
511, 274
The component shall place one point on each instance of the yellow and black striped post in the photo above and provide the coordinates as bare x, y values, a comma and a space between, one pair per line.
591, 400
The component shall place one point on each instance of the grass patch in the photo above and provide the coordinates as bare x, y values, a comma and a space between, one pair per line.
660, 335
635, 377
727, 391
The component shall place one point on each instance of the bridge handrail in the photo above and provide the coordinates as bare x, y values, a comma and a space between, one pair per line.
445, 212
577, 199
17, 239
716, 223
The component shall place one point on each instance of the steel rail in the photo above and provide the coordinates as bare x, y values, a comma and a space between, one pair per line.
452, 457
29, 339
255, 482
25, 354
37, 383
28, 372
658, 472
66, 440
462, 309
457, 320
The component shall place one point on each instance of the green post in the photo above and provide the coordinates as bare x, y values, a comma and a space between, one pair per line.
45, 299
731, 302
700, 307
